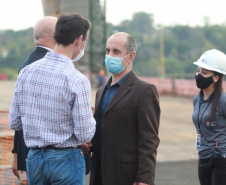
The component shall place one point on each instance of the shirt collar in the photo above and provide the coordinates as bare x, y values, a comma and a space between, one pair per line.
210, 99
45, 48
119, 82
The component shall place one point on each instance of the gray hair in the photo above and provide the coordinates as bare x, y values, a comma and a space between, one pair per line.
130, 44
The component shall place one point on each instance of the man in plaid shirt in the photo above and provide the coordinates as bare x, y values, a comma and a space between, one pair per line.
52, 104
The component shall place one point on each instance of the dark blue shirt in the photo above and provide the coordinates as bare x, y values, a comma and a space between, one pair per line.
108, 95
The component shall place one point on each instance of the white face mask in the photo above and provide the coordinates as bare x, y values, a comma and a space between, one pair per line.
81, 53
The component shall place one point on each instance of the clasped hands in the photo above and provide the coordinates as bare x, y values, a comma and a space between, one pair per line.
86, 147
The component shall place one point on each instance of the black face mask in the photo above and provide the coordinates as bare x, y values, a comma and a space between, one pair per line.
203, 82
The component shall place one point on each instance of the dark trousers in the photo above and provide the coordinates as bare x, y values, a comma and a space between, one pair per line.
98, 179
212, 171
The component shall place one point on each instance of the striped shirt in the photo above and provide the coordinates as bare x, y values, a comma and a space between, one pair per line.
52, 104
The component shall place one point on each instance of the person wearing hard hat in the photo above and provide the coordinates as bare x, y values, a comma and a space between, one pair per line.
209, 117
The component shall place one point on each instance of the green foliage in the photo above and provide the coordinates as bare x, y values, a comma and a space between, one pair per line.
182, 45
142, 23
216, 35
15, 47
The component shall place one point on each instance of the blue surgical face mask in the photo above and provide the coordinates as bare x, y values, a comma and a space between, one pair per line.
114, 64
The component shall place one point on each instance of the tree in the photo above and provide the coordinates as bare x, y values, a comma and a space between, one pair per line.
142, 23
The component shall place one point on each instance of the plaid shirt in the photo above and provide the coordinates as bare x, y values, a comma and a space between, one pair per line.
52, 104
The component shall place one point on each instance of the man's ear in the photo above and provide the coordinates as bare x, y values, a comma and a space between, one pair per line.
132, 55
78, 40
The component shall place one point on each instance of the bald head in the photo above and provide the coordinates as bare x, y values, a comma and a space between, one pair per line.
128, 41
44, 32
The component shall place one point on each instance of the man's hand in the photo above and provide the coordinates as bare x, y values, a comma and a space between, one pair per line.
86, 147
14, 166
139, 183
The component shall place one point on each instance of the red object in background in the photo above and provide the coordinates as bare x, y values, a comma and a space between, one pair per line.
3, 77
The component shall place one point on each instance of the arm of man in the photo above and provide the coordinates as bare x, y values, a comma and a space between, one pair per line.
14, 166
14, 151
85, 124
148, 140
14, 113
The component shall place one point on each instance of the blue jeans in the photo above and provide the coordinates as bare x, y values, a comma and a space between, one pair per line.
55, 167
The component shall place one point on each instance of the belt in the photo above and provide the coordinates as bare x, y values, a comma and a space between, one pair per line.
55, 148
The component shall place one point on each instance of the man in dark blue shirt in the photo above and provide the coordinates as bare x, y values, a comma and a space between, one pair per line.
127, 114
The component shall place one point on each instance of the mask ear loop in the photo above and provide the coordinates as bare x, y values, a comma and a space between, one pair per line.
127, 62
79, 48
78, 44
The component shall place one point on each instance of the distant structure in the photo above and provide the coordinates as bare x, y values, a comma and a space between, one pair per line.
93, 59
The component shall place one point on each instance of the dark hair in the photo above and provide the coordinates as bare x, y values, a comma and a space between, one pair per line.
69, 27
218, 91
130, 44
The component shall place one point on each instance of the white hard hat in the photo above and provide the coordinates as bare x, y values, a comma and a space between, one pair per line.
213, 60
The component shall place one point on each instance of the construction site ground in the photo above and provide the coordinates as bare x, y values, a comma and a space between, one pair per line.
177, 155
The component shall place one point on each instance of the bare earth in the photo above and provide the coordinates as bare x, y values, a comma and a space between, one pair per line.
177, 134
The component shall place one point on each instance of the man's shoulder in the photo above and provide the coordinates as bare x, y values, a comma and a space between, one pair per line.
134, 79
35, 55
39, 52
76, 77
143, 84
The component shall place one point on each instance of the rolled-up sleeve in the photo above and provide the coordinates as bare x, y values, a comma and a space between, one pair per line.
85, 124
14, 113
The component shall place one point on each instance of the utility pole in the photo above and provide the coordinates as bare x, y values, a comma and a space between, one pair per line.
162, 56
105, 24
97, 37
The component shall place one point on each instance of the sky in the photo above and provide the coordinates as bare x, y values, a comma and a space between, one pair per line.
22, 14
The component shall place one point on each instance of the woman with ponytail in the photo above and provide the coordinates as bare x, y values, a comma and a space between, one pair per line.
209, 117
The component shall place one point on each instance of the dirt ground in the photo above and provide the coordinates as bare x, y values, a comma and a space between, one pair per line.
177, 132
176, 152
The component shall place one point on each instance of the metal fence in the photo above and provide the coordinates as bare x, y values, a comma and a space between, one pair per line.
174, 86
